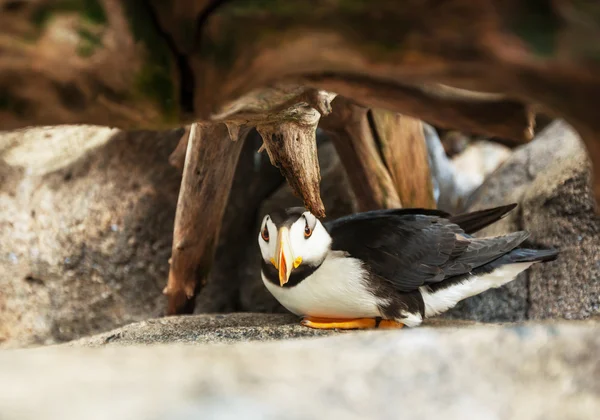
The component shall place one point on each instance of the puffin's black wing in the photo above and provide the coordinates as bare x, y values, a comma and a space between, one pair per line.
477, 220
469, 222
412, 250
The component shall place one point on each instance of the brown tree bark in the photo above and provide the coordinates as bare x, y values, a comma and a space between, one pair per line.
210, 163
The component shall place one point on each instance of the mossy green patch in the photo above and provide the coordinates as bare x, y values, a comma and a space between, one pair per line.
154, 81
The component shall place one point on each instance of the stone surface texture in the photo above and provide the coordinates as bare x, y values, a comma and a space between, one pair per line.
550, 179
532, 371
86, 219
204, 329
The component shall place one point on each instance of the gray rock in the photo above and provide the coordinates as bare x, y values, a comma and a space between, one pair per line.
531, 371
550, 179
558, 209
204, 329
220, 328
86, 220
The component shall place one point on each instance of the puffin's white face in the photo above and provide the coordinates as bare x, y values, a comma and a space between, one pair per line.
292, 242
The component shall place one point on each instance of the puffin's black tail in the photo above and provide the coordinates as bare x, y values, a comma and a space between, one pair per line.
477, 220
520, 255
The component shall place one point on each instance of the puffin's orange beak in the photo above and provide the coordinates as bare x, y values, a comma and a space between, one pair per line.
284, 259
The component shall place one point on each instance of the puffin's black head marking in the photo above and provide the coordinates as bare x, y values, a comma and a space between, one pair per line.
286, 217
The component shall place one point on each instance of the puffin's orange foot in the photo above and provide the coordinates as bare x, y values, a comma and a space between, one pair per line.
390, 324
342, 324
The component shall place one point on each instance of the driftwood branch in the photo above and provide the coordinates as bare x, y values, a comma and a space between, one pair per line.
287, 121
210, 163
402, 144
292, 147
349, 128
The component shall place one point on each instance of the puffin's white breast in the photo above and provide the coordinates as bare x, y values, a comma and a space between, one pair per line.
335, 290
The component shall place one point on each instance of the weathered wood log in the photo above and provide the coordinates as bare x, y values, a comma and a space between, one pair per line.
349, 128
402, 144
210, 163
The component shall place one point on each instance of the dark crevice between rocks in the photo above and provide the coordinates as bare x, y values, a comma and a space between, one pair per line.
184, 69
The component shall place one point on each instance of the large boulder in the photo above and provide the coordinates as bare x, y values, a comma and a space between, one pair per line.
86, 220
550, 179
531, 371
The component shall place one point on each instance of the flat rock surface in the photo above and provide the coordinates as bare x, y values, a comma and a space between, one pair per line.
529, 371
206, 328
219, 328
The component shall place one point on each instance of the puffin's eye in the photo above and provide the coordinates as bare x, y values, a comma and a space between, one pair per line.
307, 230
265, 234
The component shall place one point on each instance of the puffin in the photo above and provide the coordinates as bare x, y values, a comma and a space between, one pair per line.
386, 268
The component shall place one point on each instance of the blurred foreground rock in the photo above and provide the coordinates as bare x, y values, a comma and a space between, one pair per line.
533, 371
550, 179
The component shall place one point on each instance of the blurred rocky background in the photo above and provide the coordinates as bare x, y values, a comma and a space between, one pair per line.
86, 220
